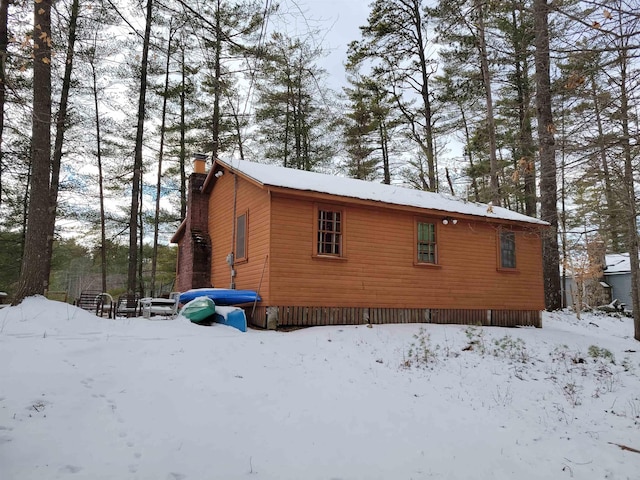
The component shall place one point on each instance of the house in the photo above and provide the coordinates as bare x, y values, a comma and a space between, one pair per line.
613, 283
617, 275
322, 249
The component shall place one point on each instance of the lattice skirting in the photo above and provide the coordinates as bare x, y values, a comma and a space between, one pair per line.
289, 316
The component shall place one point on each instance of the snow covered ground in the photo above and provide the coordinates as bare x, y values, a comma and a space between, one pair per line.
89, 398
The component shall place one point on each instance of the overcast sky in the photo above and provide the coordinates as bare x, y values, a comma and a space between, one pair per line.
337, 22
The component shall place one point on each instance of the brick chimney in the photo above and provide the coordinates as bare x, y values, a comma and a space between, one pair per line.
194, 263
199, 162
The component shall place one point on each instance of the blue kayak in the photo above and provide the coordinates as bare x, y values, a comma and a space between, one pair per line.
221, 296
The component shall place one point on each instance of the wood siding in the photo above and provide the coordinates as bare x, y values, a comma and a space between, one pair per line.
378, 270
292, 316
377, 280
254, 201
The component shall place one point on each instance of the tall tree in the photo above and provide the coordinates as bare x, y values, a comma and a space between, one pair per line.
359, 126
368, 127
548, 181
395, 43
232, 32
165, 97
459, 90
514, 23
132, 277
626, 31
61, 127
293, 117
463, 26
32, 276
4, 43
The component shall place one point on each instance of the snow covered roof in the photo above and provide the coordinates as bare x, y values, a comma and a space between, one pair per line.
276, 176
617, 263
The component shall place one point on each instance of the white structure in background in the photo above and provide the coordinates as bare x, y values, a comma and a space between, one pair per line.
617, 274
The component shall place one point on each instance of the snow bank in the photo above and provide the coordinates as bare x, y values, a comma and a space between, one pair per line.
142, 399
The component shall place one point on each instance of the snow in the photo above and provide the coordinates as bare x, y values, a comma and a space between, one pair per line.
276, 176
617, 263
89, 398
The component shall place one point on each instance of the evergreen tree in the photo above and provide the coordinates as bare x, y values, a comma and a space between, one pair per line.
293, 118
394, 46
33, 278
368, 129
548, 181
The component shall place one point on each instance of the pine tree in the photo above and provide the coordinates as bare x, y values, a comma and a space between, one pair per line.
367, 129
293, 119
33, 278
394, 47
548, 182
133, 275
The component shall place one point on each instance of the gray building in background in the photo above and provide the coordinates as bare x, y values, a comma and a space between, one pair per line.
615, 284
617, 275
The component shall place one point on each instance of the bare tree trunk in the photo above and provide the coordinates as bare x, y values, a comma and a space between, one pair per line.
137, 163
103, 234
154, 258
141, 287
491, 125
32, 275
4, 42
467, 138
237, 124
61, 127
526, 145
629, 186
217, 82
548, 181
429, 149
612, 220
183, 142
384, 146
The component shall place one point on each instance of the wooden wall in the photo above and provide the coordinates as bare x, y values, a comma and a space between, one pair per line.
377, 281
292, 316
255, 202
379, 270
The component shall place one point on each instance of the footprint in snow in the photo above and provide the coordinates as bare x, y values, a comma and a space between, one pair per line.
176, 476
70, 469
87, 382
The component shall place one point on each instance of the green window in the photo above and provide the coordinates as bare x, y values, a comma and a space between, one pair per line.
507, 249
427, 243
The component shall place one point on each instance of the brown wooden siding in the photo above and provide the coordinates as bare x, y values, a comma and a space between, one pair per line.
379, 271
378, 281
289, 316
255, 202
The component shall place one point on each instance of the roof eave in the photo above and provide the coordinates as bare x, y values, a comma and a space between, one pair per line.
330, 197
180, 232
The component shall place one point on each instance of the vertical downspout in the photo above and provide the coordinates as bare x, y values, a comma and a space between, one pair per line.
231, 258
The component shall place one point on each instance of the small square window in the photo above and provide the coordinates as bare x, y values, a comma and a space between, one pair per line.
507, 249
